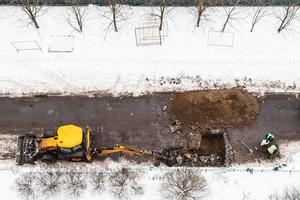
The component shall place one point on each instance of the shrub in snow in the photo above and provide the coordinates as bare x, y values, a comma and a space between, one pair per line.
289, 194
184, 184
75, 183
49, 182
25, 185
97, 180
123, 183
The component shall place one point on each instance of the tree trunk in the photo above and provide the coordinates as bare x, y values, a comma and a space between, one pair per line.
162, 12
283, 21
79, 21
281, 26
252, 27
34, 21
254, 20
200, 9
198, 19
80, 27
225, 24
114, 20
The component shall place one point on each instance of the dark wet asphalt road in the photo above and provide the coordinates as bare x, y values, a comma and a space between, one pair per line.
279, 114
135, 121
139, 121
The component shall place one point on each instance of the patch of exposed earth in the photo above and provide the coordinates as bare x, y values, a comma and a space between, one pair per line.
207, 110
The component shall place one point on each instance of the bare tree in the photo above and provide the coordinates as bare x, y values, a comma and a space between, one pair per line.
75, 182
77, 16
261, 10
288, 14
289, 194
25, 185
32, 8
115, 13
97, 179
163, 10
184, 184
230, 12
50, 182
246, 196
199, 10
123, 183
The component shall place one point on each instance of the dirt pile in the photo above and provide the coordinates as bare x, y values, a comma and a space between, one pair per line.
190, 158
226, 108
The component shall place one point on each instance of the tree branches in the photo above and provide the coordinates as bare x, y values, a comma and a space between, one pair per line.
162, 11
260, 12
32, 8
123, 183
78, 10
199, 10
115, 13
230, 12
184, 184
288, 14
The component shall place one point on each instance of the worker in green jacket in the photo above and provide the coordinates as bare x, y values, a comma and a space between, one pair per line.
272, 150
269, 138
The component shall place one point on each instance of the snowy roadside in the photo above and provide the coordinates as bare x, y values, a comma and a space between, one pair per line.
234, 182
262, 61
8, 145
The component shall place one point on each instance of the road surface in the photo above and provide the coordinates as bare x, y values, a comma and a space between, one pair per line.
140, 122
279, 114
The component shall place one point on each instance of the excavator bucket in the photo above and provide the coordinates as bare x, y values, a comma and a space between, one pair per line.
26, 149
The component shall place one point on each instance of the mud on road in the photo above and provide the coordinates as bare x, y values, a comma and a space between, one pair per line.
143, 123
225, 108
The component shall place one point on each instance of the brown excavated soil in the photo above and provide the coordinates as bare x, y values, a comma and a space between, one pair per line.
226, 108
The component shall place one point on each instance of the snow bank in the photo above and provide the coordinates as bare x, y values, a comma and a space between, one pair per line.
233, 183
8, 146
261, 61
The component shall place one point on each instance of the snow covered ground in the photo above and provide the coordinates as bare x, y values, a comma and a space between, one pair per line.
233, 183
261, 61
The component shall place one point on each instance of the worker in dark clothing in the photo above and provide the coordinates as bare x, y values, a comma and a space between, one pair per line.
268, 141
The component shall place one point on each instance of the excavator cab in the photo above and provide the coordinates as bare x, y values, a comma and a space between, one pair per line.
68, 142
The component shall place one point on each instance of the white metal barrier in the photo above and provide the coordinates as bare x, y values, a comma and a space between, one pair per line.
224, 39
26, 45
61, 44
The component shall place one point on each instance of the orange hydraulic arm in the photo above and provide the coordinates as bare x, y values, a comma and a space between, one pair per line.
121, 148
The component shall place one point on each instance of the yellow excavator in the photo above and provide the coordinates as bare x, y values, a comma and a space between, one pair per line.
67, 142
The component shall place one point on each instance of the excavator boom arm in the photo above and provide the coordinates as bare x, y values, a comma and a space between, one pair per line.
124, 149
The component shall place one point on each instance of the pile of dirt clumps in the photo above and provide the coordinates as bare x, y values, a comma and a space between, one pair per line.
225, 108
187, 157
